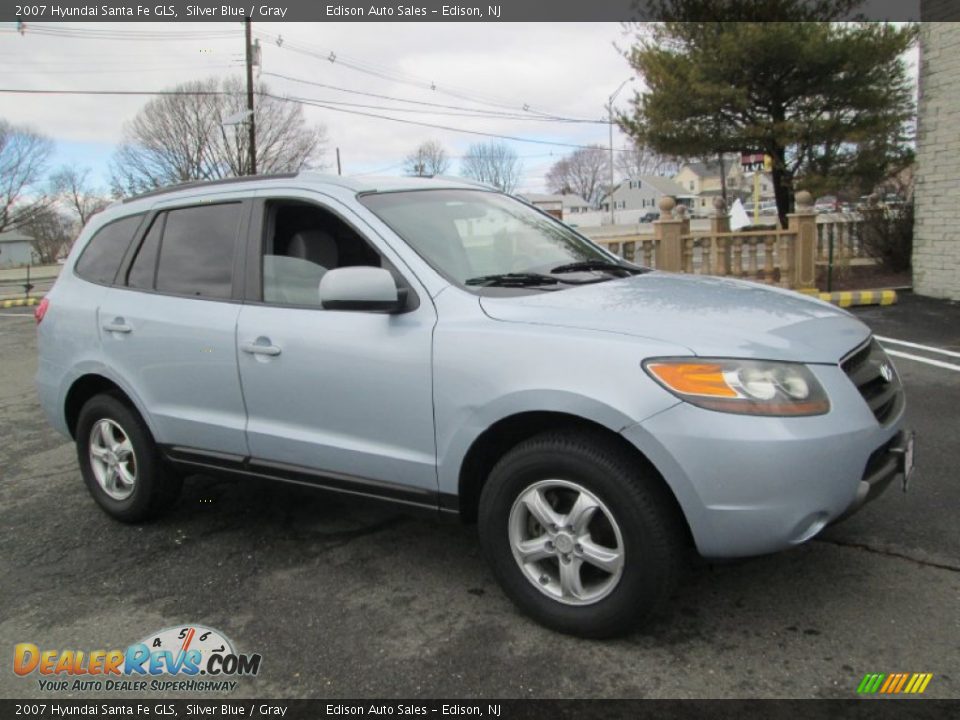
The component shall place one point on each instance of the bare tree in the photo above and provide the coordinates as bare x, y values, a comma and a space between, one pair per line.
51, 233
178, 138
72, 186
583, 172
639, 159
23, 159
427, 160
495, 163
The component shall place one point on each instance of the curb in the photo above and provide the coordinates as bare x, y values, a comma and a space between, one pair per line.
20, 302
852, 298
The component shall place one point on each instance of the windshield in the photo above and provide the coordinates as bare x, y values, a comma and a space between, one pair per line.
471, 236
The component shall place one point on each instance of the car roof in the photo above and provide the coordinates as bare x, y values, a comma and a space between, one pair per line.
358, 184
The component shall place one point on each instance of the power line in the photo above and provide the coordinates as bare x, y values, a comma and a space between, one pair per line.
59, 30
391, 75
34, 91
480, 112
315, 103
301, 101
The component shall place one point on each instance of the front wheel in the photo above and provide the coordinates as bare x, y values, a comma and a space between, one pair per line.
580, 537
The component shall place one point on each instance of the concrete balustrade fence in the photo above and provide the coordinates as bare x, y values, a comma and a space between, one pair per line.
787, 258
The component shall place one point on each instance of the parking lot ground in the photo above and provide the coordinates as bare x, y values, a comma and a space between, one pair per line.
351, 601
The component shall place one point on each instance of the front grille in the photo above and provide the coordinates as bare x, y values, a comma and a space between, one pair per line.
863, 367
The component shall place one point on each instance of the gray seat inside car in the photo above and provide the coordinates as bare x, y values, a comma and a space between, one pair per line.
316, 246
294, 278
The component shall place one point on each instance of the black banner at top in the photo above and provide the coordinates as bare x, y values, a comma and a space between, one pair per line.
494, 709
432, 10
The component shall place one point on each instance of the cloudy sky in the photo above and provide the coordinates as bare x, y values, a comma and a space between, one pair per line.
561, 69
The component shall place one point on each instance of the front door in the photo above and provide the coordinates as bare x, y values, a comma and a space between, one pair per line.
340, 398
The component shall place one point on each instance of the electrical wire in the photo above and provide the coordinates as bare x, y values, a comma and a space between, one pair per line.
392, 75
315, 103
482, 113
301, 101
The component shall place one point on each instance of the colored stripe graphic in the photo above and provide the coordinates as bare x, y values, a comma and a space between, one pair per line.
870, 683
894, 683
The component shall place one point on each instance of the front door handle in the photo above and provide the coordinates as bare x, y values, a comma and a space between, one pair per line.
260, 346
119, 325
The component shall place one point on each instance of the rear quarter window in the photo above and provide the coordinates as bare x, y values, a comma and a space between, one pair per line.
197, 250
101, 258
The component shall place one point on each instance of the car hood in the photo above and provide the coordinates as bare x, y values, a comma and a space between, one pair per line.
710, 316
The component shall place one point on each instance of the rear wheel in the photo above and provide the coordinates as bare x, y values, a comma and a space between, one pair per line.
579, 536
120, 463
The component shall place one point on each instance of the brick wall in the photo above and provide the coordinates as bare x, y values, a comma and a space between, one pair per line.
936, 244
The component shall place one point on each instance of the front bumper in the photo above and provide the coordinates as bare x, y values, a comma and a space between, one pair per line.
753, 485
885, 465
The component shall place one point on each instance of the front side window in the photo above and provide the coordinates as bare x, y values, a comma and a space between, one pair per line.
468, 235
102, 256
301, 243
197, 250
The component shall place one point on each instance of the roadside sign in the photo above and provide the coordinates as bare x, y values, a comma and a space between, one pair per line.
751, 161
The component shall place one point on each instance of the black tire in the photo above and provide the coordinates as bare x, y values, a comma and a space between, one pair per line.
650, 525
156, 488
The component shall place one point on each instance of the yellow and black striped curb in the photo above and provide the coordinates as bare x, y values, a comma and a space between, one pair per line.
20, 302
850, 298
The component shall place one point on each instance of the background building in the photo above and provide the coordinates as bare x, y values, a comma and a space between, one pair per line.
936, 243
16, 249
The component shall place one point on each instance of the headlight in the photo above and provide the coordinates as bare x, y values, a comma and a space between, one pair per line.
748, 387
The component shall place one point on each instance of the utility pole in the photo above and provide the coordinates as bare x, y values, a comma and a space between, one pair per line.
610, 191
251, 123
610, 123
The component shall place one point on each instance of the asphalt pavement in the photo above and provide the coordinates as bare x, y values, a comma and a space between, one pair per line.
345, 600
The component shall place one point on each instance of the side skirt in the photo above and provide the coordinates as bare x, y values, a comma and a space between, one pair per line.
237, 466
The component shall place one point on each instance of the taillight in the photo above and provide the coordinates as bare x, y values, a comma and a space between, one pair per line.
41, 310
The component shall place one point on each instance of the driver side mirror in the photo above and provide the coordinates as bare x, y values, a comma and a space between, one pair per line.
360, 288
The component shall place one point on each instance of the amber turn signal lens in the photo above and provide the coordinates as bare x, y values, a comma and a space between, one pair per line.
693, 378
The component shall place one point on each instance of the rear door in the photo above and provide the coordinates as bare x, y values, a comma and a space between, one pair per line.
340, 398
168, 327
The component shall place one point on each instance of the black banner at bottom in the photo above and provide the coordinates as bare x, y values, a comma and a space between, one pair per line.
872, 709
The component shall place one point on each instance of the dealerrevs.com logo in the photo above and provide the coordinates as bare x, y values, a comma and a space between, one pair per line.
184, 658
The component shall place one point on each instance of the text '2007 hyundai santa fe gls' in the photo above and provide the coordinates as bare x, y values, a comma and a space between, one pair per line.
445, 346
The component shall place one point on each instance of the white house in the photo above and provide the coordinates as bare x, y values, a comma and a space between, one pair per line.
16, 249
641, 193
575, 205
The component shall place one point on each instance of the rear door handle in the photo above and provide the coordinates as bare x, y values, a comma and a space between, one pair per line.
119, 325
261, 346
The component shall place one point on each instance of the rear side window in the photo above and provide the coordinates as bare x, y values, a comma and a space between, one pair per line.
101, 257
190, 251
145, 263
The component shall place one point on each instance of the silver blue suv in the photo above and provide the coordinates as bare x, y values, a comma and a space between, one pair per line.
449, 348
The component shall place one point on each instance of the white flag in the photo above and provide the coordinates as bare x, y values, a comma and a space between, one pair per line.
738, 216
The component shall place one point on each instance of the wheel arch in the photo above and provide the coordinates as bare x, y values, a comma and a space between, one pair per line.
87, 386
508, 432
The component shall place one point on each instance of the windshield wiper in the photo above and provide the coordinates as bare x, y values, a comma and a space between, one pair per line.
518, 279
588, 265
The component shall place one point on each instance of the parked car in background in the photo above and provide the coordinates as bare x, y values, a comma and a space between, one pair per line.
767, 207
450, 349
826, 205
650, 217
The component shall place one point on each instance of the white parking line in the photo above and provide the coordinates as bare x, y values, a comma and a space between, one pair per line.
926, 361
18, 315
918, 346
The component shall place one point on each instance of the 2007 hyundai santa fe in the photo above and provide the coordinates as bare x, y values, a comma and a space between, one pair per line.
448, 347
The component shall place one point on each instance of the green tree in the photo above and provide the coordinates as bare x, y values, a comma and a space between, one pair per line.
830, 102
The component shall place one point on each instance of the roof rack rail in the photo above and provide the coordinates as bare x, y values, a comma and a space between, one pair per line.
463, 180
207, 183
